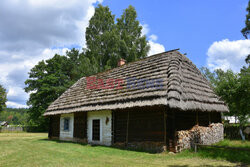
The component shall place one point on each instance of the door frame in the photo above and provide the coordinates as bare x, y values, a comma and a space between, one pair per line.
91, 130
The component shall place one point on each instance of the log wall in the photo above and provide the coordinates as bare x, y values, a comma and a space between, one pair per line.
144, 124
54, 126
185, 120
80, 125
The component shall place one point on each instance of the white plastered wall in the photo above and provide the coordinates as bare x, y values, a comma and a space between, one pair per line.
67, 135
105, 126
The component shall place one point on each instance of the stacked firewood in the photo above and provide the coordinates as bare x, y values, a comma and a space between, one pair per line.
199, 134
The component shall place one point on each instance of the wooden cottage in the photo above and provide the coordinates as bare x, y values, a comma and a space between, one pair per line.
161, 101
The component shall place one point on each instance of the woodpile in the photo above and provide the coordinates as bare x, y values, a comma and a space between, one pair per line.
199, 134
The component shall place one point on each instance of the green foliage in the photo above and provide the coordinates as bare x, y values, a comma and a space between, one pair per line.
133, 45
102, 39
242, 96
246, 30
14, 116
233, 88
108, 41
50, 78
232, 131
3, 98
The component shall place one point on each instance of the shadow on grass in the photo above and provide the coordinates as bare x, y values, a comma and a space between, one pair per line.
232, 155
113, 147
189, 165
63, 141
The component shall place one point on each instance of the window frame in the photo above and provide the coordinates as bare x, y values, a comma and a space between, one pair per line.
66, 119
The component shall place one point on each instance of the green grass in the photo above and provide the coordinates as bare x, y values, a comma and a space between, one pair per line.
232, 155
33, 149
234, 143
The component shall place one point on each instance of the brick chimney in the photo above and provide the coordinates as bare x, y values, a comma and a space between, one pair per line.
121, 62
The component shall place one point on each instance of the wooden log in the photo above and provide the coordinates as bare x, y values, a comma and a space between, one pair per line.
197, 118
174, 131
209, 118
127, 129
165, 127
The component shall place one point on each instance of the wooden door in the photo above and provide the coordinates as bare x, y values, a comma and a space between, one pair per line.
96, 130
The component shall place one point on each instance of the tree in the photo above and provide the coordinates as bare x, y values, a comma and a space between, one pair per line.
3, 98
243, 93
246, 30
107, 42
133, 45
225, 85
14, 116
102, 39
234, 89
49, 79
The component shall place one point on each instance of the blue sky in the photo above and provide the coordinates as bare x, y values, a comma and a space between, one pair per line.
191, 25
34, 30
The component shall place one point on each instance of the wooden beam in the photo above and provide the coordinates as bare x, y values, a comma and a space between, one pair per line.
173, 133
113, 126
165, 127
127, 129
174, 126
209, 118
197, 118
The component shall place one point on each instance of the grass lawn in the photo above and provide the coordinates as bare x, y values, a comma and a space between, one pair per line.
33, 149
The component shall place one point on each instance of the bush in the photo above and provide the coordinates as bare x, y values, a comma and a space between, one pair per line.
232, 132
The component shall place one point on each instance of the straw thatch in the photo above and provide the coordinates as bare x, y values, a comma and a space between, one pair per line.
183, 87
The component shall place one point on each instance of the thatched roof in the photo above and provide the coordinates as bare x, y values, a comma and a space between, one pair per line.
183, 87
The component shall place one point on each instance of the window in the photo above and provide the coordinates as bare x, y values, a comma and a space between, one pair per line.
66, 124
96, 130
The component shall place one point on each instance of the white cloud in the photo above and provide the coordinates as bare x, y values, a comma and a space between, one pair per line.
145, 29
154, 46
15, 105
228, 54
14, 74
34, 30
153, 37
29, 32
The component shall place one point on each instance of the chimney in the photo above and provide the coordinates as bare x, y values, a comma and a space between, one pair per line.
121, 62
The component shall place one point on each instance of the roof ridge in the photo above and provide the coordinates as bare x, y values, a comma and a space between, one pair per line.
183, 87
161, 53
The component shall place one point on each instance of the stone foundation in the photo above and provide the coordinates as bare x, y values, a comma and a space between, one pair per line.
199, 134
